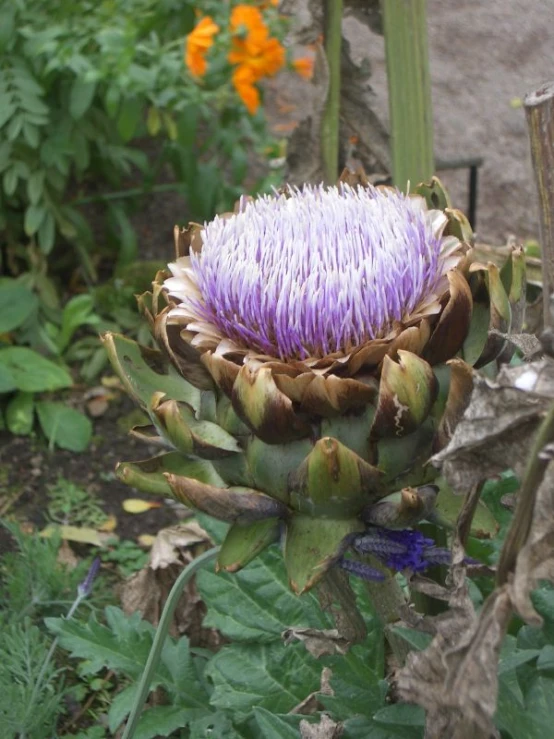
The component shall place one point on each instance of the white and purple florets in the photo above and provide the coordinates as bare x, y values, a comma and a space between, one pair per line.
315, 271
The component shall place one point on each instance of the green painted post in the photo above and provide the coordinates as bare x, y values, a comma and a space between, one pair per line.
410, 106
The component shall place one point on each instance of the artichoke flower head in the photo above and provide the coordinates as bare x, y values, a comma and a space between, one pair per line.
308, 367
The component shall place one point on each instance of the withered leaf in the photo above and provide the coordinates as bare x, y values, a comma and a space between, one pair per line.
325, 729
318, 642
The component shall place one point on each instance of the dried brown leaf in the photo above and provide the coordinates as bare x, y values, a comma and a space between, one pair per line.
318, 642
169, 543
147, 590
325, 729
536, 559
497, 428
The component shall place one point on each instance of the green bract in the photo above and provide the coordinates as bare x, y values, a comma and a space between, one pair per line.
314, 448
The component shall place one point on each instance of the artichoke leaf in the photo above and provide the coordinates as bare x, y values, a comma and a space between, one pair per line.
313, 545
245, 541
448, 507
147, 475
145, 372
189, 435
334, 481
407, 392
234, 505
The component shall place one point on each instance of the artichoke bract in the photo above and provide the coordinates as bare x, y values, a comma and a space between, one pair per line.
315, 348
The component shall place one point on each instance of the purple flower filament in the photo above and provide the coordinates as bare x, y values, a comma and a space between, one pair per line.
316, 270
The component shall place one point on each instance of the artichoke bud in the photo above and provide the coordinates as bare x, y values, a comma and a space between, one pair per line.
262, 406
407, 392
178, 424
402, 509
333, 481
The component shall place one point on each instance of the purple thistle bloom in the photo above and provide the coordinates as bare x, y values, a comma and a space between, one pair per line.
314, 271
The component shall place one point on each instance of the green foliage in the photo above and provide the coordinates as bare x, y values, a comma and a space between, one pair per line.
33, 584
30, 702
69, 504
128, 557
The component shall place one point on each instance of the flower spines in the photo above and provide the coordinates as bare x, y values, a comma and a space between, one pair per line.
315, 271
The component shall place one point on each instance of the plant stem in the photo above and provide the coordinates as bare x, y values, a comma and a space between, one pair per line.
335, 590
132, 193
411, 112
330, 121
539, 109
159, 639
389, 603
523, 514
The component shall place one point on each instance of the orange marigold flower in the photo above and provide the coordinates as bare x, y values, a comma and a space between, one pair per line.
254, 52
199, 40
304, 66
243, 80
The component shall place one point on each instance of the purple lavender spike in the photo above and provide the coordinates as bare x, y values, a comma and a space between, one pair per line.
361, 569
314, 271
84, 589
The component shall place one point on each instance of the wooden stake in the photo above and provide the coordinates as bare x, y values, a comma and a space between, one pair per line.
539, 109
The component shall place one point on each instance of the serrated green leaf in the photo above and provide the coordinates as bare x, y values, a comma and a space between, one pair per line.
123, 645
271, 676
20, 414
64, 426
279, 727
161, 721
256, 604
140, 378
17, 303
33, 373
217, 725
417, 640
357, 680
402, 714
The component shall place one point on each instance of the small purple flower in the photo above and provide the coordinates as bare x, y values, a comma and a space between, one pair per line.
84, 589
406, 549
314, 271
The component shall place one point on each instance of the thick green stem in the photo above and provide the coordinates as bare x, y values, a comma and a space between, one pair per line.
411, 112
159, 639
330, 122
336, 596
389, 603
